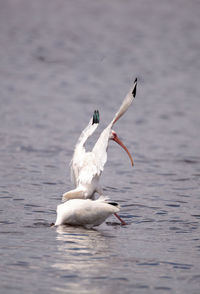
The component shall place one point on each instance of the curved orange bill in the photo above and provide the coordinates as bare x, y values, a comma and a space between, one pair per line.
118, 141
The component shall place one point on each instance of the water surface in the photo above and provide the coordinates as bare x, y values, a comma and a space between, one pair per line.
60, 60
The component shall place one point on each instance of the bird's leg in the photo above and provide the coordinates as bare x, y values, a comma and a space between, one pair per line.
99, 191
121, 220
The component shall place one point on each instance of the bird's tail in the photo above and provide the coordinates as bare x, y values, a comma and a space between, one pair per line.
106, 199
103, 198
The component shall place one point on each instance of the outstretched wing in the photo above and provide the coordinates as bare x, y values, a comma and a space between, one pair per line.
79, 152
126, 102
100, 148
89, 130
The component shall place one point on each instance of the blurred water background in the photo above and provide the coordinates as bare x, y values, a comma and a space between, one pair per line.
60, 60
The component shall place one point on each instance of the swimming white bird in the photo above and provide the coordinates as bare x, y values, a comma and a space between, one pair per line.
85, 212
86, 167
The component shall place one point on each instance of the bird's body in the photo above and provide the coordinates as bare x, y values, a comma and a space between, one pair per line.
86, 167
85, 212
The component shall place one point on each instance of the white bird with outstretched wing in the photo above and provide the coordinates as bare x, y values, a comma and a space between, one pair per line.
86, 167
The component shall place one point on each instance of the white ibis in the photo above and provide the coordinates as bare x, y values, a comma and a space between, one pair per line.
86, 167
85, 212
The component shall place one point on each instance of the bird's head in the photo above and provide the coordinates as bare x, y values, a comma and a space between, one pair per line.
114, 137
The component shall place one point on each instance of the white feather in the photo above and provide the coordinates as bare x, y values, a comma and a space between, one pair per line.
80, 156
86, 167
84, 212
126, 103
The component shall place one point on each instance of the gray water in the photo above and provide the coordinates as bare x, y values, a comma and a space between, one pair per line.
60, 60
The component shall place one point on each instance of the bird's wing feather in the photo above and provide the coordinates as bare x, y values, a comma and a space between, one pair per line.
79, 152
126, 102
87, 132
100, 148
88, 170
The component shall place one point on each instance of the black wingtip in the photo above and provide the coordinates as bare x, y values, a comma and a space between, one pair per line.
98, 117
113, 203
134, 89
95, 117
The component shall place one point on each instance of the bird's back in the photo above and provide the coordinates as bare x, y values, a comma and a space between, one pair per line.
84, 212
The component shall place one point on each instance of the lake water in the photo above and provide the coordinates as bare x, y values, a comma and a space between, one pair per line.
60, 60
